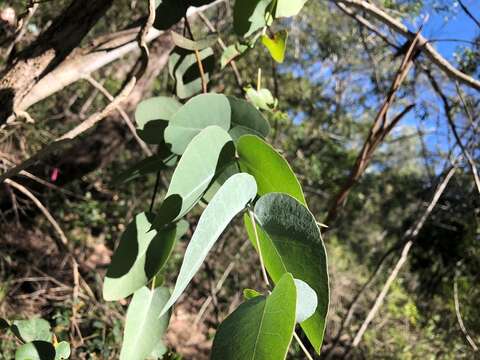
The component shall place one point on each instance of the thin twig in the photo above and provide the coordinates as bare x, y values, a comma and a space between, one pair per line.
142, 38
232, 63
469, 13
448, 114
122, 112
42, 208
459, 314
398, 27
257, 242
70, 135
302, 346
412, 234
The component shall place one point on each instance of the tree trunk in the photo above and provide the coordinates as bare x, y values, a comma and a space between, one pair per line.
50, 49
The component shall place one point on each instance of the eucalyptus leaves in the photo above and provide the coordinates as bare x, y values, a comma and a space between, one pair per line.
217, 145
220, 154
38, 342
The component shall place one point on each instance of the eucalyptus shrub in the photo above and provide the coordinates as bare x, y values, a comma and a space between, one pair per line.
218, 148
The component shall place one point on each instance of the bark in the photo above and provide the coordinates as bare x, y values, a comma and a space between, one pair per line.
47, 52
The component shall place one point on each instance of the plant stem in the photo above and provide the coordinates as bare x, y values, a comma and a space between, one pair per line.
257, 241
155, 189
202, 72
305, 351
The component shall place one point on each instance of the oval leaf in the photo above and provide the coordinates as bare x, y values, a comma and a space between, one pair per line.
259, 329
183, 67
307, 301
206, 153
31, 330
141, 253
144, 327
290, 242
287, 8
62, 350
198, 113
35, 350
246, 119
277, 45
231, 53
270, 169
152, 117
262, 99
249, 16
230, 199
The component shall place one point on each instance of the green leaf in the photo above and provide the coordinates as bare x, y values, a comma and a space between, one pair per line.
290, 242
231, 53
198, 113
307, 301
250, 16
183, 67
207, 152
144, 327
250, 294
288, 8
31, 330
152, 117
277, 45
62, 350
246, 119
232, 198
262, 99
188, 44
259, 329
271, 171
139, 256
35, 350
144, 167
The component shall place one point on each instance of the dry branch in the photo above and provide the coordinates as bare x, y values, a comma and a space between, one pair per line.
398, 27
411, 234
380, 128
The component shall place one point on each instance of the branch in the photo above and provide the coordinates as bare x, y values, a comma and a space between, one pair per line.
70, 135
448, 113
104, 51
122, 112
459, 314
468, 12
378, 131
142, 38
411, 234
44, 210
427, 48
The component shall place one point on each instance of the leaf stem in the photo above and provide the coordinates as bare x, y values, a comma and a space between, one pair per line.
202, 72
155, 189
302, 346
264, 272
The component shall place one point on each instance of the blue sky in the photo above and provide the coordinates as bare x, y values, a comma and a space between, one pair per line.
456, 26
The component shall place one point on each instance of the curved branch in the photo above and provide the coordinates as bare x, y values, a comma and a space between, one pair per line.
426, 47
